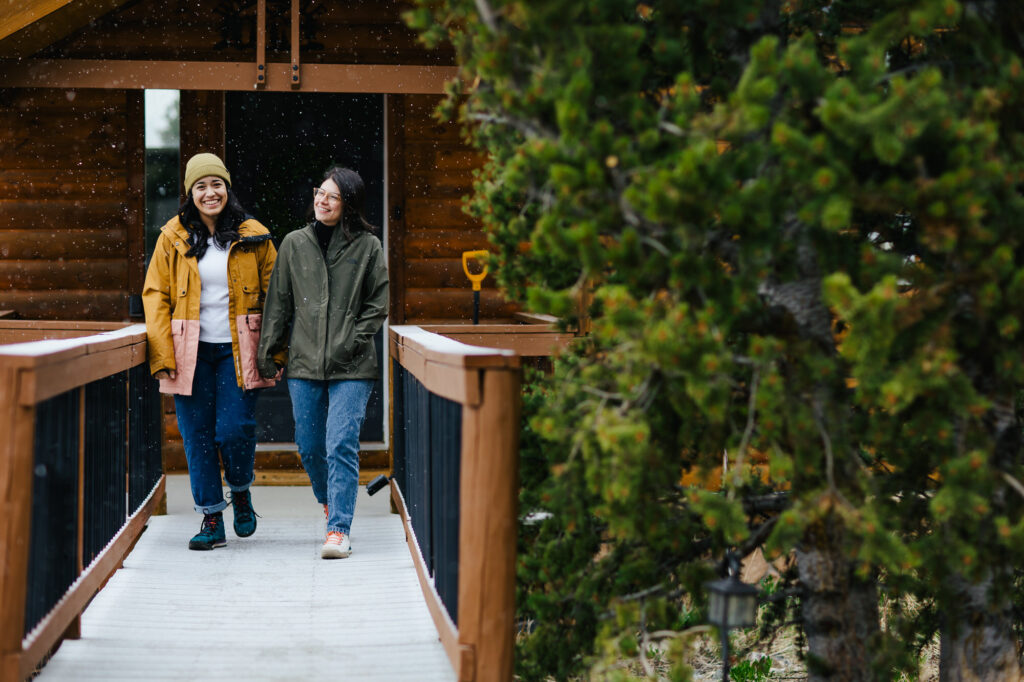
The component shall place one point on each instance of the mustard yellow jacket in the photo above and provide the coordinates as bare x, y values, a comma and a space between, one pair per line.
170, 297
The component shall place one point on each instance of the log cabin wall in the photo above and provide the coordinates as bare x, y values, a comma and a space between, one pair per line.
71, 202
431, 169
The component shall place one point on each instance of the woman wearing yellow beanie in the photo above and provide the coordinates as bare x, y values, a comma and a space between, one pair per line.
203, 297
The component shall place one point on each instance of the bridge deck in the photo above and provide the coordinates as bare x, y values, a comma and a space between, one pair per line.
264, 607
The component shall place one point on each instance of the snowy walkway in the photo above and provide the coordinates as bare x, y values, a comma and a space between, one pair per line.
264, 607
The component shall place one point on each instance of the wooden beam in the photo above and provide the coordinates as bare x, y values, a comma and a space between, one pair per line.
296, 76
488, 508
27, 13
17, 423
397, 264
261, 44
134, 74
31, 26
135, 200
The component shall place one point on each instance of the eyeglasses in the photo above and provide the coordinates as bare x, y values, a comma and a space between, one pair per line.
319, 193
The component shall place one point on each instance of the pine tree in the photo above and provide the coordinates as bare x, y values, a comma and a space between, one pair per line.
795, 225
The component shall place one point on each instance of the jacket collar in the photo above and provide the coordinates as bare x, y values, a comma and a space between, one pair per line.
249, 231
337, 243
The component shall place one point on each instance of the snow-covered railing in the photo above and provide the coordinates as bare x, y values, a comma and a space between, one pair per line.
80, 473
455, 484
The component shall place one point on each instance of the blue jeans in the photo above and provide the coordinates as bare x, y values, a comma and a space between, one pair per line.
218, 415
328, 417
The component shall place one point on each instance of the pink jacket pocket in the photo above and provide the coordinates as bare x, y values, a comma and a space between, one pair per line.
248, 341
185, 337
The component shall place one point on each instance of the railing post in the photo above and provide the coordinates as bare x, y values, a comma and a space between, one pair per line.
489, 496
16, 453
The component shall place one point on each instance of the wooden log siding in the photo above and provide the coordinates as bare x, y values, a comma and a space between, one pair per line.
437, 172
74, 371
70, 201
485, 383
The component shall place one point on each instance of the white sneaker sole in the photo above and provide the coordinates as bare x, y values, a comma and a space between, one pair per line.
335, 552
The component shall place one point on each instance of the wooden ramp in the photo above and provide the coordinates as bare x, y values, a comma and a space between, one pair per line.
264, 607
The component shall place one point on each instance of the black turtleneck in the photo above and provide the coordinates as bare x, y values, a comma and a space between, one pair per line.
323, 235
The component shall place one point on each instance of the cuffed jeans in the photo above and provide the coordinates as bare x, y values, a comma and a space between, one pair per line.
218, 415
328, 417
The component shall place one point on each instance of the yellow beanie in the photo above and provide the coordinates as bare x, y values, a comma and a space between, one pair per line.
201, 165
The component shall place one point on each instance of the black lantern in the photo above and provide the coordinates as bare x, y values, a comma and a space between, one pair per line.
732, 604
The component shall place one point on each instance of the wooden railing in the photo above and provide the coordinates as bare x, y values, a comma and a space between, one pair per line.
80, 474
455, 483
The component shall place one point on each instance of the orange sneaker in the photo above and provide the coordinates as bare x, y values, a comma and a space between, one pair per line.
325, 511
336, 547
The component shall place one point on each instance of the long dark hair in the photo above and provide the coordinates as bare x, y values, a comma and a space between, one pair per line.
353, 197
225, 229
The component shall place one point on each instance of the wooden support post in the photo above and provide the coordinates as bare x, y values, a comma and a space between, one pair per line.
487, 529
261, 43
296, 76
17, 423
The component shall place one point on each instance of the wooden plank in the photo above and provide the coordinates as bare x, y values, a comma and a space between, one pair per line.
434, 213
45, 28
66, 214
50, 629
57, 305
86, 244
64, 274
396, 205
455, 304
63, 183
53, 379
452, 184
214, 75
446, 629
488, 499
18, 16
135, 171
440, 273
143, 620
444, 243
17, 423
523, 343
442, 350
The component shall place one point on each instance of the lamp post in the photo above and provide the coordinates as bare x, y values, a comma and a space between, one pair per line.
732, 604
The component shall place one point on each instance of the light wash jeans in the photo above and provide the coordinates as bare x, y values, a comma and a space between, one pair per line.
217, 416
328, 417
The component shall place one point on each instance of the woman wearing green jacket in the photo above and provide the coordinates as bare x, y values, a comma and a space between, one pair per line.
327, 298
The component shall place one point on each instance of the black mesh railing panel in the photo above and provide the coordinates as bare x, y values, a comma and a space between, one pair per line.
398, 419
105, 485
53, 548
144, 433
428, 447
445, 449
417, 453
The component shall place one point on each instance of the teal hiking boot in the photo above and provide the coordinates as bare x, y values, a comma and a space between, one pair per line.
211, 533
245, 515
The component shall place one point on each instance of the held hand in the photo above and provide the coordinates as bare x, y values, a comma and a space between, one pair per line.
165, 374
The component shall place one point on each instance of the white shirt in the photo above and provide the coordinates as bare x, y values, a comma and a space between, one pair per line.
213, 294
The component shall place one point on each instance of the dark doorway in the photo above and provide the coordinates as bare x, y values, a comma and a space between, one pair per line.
278, 145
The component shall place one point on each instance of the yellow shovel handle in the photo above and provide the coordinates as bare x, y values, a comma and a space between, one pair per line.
474, 277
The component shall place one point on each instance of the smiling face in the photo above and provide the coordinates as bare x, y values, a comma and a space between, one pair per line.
210, 195
327, 203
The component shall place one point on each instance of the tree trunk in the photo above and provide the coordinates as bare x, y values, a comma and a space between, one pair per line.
977, 643
840, 611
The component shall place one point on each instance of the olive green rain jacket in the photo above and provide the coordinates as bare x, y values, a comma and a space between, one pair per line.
324, 314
